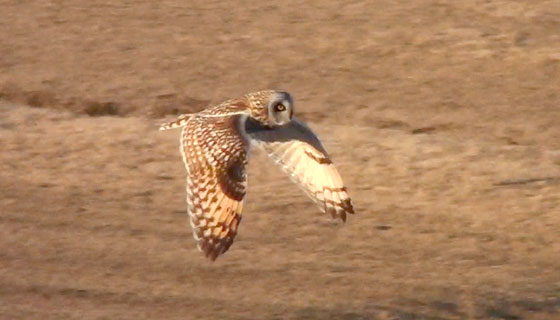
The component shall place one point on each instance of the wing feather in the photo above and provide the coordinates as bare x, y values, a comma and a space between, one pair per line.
300, 154
215, 155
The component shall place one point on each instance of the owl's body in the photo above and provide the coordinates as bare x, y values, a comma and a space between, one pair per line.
215, 144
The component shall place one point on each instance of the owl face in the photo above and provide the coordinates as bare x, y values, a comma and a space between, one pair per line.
271, 108
280, 109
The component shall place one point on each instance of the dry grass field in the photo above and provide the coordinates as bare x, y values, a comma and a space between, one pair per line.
443, 118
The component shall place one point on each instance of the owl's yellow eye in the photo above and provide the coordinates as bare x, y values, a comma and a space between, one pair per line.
279, 107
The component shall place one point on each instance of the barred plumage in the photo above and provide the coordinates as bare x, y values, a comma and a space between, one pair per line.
215, 144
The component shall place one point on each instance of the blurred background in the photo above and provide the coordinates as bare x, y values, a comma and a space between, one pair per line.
442, 117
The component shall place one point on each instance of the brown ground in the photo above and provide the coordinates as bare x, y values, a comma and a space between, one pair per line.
442, 116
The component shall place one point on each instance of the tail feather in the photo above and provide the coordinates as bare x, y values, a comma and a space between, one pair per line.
180, 122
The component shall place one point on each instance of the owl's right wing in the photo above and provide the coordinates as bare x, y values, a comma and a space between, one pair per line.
215, 156
300, 154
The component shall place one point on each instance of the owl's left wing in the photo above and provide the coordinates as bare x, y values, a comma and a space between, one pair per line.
215, 156
300, 154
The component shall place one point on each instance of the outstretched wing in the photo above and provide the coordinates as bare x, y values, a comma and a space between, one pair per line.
215, 155
300, 153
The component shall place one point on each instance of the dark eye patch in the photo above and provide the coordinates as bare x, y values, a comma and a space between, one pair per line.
279, 107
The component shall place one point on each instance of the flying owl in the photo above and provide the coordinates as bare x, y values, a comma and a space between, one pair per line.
215, 145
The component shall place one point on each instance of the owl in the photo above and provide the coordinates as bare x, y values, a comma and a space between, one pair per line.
215, 145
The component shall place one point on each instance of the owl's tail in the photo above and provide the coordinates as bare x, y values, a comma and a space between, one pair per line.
180, 122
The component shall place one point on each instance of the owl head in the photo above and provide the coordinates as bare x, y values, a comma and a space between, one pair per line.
271, 108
